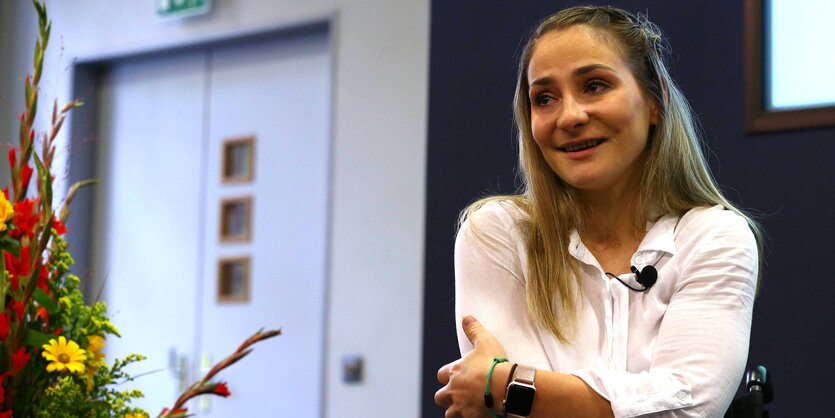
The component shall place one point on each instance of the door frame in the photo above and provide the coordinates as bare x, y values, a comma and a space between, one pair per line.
84, 150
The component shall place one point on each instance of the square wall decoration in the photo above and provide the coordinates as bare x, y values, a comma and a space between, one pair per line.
233, 280
238, 159
236, 219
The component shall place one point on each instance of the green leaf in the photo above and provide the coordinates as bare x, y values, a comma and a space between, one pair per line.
41, 170
36, 339
47, 186
44, 300
11, 245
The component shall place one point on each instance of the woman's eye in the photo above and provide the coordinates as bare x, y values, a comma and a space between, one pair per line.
596, 86
543, 99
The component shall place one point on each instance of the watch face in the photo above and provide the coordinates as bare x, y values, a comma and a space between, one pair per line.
519, 399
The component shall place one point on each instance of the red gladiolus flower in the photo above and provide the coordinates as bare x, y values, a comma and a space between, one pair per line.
19, 359
43, 314
17, 307
24, 218
5, 414
60, 229
25, 175
18, 267
222, 390
3, 395
43, 274
5, 323
12, 157
165, 411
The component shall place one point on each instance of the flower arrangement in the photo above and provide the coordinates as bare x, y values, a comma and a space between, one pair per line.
51, 341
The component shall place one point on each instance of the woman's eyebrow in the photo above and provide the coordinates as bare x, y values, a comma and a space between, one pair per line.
591, 67
548, 80
542, 81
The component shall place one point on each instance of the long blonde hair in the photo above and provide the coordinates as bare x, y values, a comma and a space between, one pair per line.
676, 176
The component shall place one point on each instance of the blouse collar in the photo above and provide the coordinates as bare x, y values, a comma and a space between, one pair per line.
659, 241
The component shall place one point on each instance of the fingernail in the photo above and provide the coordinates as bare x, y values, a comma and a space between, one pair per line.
468, 320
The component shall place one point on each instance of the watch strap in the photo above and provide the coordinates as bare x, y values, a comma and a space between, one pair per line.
510, 375
524, 374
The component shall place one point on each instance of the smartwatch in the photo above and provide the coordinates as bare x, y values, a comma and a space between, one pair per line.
518, 401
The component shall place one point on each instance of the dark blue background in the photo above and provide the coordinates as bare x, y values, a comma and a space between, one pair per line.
785, 178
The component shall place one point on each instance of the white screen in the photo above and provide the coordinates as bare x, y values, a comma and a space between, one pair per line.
801, 53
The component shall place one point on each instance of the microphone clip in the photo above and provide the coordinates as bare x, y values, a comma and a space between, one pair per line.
646, 278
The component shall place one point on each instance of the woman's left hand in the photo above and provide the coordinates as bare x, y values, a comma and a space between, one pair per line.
464, 380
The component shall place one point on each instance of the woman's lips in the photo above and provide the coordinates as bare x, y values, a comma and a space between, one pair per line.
581, 145
581, 149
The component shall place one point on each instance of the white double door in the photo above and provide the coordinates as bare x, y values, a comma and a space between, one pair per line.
161, 123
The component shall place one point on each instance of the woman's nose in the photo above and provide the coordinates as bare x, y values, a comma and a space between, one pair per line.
573, 114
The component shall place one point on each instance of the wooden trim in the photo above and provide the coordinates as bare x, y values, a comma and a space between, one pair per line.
757, 117
224, 287
227, 236
226, 160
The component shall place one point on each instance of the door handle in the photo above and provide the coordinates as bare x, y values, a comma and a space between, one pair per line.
178, 367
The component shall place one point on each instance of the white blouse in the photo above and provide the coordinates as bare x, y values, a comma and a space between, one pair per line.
676, 350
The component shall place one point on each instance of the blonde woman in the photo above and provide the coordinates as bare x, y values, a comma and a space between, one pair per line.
620, 282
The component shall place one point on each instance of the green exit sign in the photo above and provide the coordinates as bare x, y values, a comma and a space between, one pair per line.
182, 8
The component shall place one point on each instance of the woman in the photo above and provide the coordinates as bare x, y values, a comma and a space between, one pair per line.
561, 279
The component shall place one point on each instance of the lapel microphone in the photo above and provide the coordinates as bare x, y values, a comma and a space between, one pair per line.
646, 277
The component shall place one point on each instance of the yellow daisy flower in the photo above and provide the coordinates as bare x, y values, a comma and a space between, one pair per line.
94, 346
136, 415
6, 212
63, 354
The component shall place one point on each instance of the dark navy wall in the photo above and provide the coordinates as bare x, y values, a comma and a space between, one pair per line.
787, 178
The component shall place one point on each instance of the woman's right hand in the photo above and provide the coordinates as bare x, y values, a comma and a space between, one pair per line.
464, 380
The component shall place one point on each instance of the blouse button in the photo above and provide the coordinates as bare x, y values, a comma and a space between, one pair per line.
639, 259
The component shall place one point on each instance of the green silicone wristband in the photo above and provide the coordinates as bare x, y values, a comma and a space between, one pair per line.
488, 397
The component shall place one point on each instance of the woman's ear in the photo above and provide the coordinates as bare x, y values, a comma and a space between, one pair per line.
654, 115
